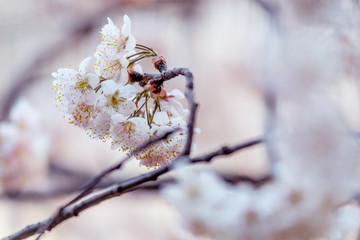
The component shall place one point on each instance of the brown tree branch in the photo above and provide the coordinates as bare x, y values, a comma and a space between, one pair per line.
89, 187
121, 188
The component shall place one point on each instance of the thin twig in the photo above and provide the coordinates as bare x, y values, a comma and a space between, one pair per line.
30, 196
226, 150
118, 189
89, 187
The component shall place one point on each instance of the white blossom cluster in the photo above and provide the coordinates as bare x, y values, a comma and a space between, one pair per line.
24, 146
317, 168
108, 106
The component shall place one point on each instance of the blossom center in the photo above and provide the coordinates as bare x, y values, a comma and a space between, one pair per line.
115, 99
82, 85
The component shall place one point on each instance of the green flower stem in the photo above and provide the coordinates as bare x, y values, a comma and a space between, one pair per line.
139, 96
158, 103
136, 54
140, 46
137, 112
147, 110
137, 59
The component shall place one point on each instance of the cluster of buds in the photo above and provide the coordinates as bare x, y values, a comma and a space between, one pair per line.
108, 104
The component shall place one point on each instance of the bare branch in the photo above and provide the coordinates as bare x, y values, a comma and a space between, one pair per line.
88, 188
226, 151
121, 188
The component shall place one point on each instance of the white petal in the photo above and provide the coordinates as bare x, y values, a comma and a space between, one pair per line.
130, 43
162, 130
109, 21
128, 91
109, 87
127, 107
84, 65
101, 125
123, 61
67, 74
139, 122
137, 67
179, 108
177, 94
124, 76
125, 29
117, 118
161, 118
93, 80
178, 122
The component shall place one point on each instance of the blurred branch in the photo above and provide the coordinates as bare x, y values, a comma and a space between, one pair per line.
226, 151
127, 186
231, 179
60, 192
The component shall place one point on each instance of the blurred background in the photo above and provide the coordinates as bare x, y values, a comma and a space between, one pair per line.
216, 39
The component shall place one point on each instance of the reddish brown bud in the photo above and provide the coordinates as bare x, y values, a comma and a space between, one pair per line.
160, 63
159, 92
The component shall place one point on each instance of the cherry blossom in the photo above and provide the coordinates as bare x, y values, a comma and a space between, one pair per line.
127, 134
159, 154
115, 44
75, 94
108, 107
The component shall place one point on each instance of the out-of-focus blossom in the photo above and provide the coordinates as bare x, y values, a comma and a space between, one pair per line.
24, 147
316, 169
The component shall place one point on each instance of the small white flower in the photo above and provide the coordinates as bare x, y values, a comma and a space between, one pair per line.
115, 99
112, 67
172, 105
115, 40
75, 94
115, 45
161, 153
128, 134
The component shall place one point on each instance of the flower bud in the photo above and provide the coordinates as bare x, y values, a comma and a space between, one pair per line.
160, 63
